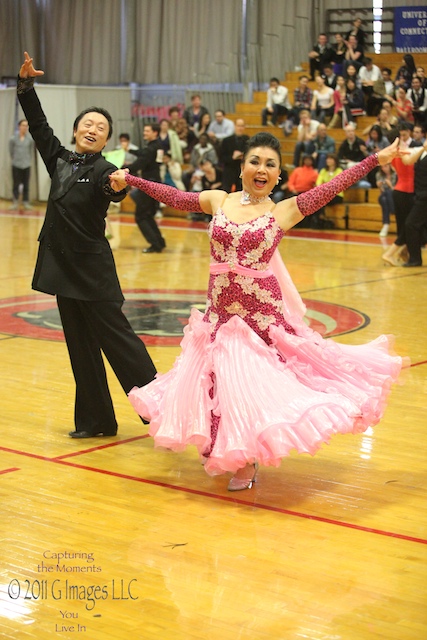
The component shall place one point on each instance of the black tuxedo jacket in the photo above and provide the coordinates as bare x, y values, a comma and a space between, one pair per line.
74, 258
231, 144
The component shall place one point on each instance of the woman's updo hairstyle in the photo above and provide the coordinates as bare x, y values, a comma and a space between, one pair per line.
264, 140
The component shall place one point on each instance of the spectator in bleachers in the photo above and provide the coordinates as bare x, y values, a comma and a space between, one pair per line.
307, 131
340, 101
171, 172
193, 114
322, 105
355, 105
128, 147
329, 76
220, 128
351, 73
331, 170
374, 143
388, 82
187, 138
419, 134
358, 33
338, 58
385, 122
369, 74
231, 155
302, 178
385, 179
352, 151
324, 145
211, 178
203, 149
303, 97
420, 73
417, 95
405, 72
321, 54
403, 107
281, 191
169, 141
354, 53
277, 103
203, 125
174, 116
383, 89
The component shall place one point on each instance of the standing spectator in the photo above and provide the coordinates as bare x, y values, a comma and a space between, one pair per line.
220, 128
417, 95
358, 33
369, 74
277, 103
339, 54
307, 131
321, 54
405, 72
232, 152
385, 181
324, 145
303, 97
329, 76
322, 105
21, 149
146, 165
302, 178
195, 112
75, 262
354, 53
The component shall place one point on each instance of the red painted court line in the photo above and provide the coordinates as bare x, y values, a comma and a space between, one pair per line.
9, 470
417, 364
296, 514
98, 448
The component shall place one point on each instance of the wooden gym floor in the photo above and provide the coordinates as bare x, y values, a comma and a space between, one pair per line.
112, 539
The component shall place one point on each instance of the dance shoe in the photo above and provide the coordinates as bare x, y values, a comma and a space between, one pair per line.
88, 434
239, 484
413, 264
153, 249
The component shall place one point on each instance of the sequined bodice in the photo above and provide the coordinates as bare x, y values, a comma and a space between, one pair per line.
258, 301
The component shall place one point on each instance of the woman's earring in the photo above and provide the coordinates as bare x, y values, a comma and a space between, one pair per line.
241, 175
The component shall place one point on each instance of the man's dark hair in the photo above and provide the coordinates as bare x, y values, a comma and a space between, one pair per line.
154, 126
125, 136
100, 110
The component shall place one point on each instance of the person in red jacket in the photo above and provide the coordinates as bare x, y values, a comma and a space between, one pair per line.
303, 178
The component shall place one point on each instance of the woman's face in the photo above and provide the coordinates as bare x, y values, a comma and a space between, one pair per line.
260, 171
205, 119
374, 135
401, 93
351, 70
331, 164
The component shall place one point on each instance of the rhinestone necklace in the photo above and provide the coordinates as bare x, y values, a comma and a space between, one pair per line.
246, 198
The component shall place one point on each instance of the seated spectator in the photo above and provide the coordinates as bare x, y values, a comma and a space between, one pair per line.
303, 97
302, 178
171, 172
369, 74
174, 116
420, 73
220, 128
360, 35
405, 72
128, 147
403, 107
307, 131
375, 140
352, 151
201, 150
340, 100
324, 145
388, 82
187, 138
331, 170
417, 96
203, 125
193, 114
355, 102
383, 89
277, 103
281, 191
354, 53
338, 58
385, 180
329, 76
169, 142
211, 178
321, 54
322, 105
419, 134
352, 74
231, 155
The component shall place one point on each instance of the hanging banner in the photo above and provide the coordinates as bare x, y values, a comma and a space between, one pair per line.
410, 29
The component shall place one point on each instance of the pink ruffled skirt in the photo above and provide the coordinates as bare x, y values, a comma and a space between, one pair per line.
294, 394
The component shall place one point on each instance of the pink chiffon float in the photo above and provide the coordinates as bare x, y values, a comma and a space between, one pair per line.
253, 382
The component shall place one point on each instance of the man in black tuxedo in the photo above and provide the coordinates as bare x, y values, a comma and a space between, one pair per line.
75, 262
231, 155
147, 165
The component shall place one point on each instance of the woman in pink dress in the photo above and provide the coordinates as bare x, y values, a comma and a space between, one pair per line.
253, 381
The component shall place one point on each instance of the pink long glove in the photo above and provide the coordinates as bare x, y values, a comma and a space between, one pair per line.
311, 201
175, 198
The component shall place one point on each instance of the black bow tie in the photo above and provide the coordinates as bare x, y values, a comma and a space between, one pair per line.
79, 158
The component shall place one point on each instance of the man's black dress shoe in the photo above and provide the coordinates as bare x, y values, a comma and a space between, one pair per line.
88, 434
152, 249
413, 264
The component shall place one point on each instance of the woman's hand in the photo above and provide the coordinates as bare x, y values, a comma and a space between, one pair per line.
392, 151
117, 179
27, 69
